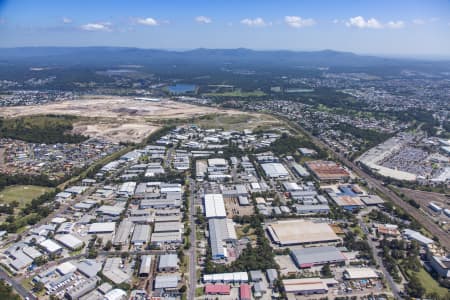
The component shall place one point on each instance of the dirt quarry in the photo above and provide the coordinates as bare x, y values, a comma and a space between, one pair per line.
114, 118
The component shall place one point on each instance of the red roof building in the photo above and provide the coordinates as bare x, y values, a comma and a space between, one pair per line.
245, 292
217, 289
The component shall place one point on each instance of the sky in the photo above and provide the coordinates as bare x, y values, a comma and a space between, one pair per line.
412, 28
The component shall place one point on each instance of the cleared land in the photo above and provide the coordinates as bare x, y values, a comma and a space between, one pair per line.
22, 193
237, 121
119, 119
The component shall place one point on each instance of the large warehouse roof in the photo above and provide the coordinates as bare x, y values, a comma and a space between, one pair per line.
308, 257
301, 232
275, 170
304, 285
215, 206
69, 241
102, 227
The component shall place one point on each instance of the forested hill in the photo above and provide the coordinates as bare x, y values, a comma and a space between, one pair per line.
243, 57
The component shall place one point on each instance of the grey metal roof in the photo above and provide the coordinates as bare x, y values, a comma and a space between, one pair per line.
317, 255
141, 233
168, 261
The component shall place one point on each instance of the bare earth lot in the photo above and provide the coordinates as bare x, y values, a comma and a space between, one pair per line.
119, 119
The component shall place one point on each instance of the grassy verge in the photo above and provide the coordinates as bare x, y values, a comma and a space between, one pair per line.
429, 283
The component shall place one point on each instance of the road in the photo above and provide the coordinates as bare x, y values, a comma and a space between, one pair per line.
192, 250
427, 223
392, 285
16, 286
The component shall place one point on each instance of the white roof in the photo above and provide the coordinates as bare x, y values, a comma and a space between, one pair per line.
360, 273
115, 294
102, 227
275, 170
66, 268
68, 240
214, 206
226, 277
50, 246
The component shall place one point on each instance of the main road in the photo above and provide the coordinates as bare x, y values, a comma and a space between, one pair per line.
192, 240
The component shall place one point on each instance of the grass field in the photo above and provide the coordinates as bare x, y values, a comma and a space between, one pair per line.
22, 193
236, 93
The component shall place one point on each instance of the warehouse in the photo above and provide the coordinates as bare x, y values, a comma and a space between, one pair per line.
275, 170
312, 209
127, 189
200, 170
415, 235
173, 201
220, 231
360, 273
217, 289
123, 233
236, 277
305, 286
166, 281
302, 172
106, 227
141, 234
69, 241
301, 232
161, 238
167, 226
314, 256
168, 263
214, 206
327, 171
51, 247
145, 268
110, 210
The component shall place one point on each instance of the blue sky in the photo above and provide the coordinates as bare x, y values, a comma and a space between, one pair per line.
387, 27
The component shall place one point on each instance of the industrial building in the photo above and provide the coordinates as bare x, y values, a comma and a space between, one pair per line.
69, 241
305, 286
327, 171
123, 233
236, 277
313, 256
360, 273
301, 232
220, 232
275, 170
145, 267
141, 234
105, 227
214, 206
168, 263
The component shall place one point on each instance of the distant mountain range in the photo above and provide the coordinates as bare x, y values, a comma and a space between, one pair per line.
102, 56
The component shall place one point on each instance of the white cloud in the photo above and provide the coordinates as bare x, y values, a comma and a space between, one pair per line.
418, 21
434, 19
360, 22
257, 22
203, 20
147, 21
335, 21
66, 20
97, 26
395, 24
298, 22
